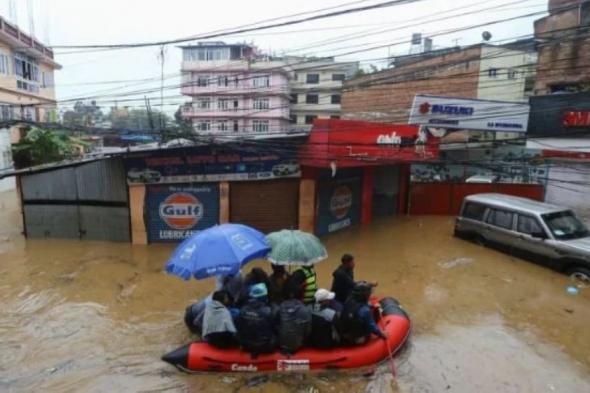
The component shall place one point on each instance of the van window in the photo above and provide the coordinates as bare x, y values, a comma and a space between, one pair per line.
474, 211
500, 218
528, 225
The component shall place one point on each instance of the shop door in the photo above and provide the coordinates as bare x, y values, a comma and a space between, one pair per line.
265, 205
385, 190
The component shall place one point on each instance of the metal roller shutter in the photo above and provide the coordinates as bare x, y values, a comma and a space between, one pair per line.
267, 205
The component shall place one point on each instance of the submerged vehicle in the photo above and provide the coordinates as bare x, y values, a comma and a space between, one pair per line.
537, 231
394, 321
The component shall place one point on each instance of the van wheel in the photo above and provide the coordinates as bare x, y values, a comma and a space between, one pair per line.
579, 274
480, 240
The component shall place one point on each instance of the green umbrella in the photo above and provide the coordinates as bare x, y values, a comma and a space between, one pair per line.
293, 247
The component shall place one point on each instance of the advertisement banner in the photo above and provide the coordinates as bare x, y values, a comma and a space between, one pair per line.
205, 164
177, 212
339, 204
469, 114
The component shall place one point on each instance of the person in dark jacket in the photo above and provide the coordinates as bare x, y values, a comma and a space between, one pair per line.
294, 324
324, 317
256, 276
218, 322
343, 279
356, 322
256, 322
303, 284
277, 280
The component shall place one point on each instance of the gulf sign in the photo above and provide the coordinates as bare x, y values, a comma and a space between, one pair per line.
341, 201
181, 210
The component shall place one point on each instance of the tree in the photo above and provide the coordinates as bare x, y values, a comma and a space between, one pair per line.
138, 119
83, 115
183, 124
44, 146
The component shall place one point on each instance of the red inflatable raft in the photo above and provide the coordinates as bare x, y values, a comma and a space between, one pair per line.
200, 356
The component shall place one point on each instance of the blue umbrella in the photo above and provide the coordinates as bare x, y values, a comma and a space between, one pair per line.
219, 250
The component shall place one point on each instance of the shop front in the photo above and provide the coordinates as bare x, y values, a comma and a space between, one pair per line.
356, 171
559, 126
175, 193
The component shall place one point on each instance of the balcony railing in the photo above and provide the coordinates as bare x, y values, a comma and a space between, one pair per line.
28, 41
232, 113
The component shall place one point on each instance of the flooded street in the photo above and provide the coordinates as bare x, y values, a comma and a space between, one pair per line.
96, 317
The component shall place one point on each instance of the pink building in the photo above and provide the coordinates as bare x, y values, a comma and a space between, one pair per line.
234, 90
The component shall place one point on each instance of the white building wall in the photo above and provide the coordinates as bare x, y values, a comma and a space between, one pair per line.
569, 185
503, 73
5, 159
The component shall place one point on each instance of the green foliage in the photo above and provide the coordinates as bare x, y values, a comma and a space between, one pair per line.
138, 119
44, 146
83, 115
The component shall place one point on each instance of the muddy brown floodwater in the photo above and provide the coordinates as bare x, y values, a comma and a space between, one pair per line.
96, 317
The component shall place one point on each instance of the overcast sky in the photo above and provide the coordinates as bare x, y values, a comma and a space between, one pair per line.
81, 22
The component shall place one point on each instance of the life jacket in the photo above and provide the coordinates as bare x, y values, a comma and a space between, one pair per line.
350, 325
294, 325
310, 285
255, 325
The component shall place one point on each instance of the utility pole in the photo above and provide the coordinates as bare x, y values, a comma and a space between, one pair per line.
162, 61
31, 17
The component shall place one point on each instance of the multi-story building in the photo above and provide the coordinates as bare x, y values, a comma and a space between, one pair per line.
234, 89
316, 89
479, 71
564, 48
27, 89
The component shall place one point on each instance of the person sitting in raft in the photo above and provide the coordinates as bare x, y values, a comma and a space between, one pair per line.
277, 280
303, 284
256, 276
356, 322
193, 315
218, 321
256, 322
294, 324
324, 318
343, 279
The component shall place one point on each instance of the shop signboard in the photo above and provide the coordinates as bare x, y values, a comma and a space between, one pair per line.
339, 204
175, 212
205, 164
469, 114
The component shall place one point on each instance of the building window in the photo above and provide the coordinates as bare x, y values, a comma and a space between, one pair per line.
335, 117
293, 119
336, 98
29, 113
203, 125
236, 126
294, 98
338, 77
296, 77
493, 72
227, 104
46, 79
261, 103
512, 74
204, 103
4, 64
206, 54
312, 99
261, 81
313, 78
222, 125
223, 81
310, 118
6, 112
260, 125
203, 80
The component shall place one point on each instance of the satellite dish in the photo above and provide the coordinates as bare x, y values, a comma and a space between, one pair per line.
486, 35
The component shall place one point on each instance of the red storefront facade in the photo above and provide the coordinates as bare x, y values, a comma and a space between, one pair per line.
353, 171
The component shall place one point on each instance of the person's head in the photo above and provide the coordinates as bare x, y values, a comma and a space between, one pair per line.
347, 261
257, 275
362, 291
323, 296
258, 291
278, 270
222, 296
